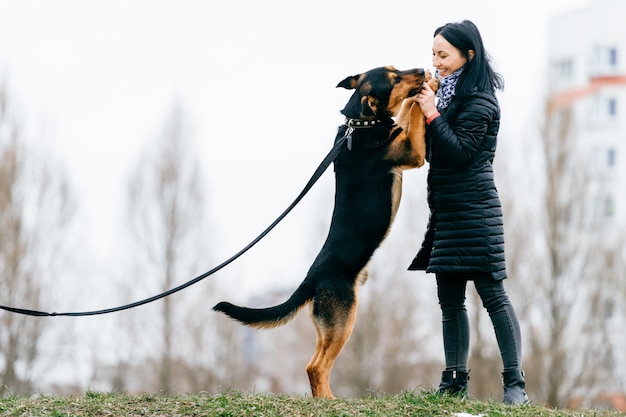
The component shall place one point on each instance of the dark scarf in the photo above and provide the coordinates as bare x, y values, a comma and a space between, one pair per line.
447, 88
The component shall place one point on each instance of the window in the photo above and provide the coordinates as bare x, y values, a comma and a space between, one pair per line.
610, 157
612, 57
604, 61
612, 108
609, 207
566, 68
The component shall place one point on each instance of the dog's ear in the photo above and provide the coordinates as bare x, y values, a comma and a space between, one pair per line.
349, 83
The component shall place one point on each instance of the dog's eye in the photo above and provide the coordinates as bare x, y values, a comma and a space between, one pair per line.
398, 79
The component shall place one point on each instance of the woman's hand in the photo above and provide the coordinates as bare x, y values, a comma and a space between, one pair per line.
426, 101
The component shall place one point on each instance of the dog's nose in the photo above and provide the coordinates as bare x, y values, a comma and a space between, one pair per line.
420, 71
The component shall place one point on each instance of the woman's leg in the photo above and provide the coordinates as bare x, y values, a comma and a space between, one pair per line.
507, 329
451, 293
504, 320
455, 323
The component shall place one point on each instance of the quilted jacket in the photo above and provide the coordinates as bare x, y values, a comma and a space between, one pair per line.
465, 231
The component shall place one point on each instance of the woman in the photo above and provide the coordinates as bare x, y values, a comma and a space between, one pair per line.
465, 236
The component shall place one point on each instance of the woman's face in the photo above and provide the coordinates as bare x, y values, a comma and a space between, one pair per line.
446, 58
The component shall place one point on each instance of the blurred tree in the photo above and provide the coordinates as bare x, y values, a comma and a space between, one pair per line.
558, 254
180, 345
35, 210
166, 212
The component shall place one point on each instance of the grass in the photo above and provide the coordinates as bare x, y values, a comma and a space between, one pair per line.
95, 404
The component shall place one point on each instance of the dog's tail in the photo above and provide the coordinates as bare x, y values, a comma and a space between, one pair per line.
270, 317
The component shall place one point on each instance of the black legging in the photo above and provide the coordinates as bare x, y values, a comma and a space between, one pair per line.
456, 330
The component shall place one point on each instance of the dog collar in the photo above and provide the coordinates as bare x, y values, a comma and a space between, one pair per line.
355, 124
362, 123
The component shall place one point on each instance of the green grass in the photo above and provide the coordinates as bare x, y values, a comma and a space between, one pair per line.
95, 404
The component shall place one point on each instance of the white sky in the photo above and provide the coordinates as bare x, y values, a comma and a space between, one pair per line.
94, 82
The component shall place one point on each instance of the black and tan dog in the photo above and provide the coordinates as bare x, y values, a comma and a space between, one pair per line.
368, 180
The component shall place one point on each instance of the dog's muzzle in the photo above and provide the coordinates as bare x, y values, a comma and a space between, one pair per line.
415, 91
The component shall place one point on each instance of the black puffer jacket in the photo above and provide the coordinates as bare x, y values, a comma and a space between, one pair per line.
465, 231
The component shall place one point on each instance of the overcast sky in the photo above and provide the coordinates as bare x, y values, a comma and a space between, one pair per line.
94, 82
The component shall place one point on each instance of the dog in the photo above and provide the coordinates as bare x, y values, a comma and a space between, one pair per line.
368, 184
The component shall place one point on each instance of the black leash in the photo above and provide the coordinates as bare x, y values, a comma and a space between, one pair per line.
316, 175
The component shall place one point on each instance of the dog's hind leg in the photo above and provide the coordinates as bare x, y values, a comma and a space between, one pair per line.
313, 377
334, 319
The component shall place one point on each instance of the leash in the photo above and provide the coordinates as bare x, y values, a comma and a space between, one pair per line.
316, 176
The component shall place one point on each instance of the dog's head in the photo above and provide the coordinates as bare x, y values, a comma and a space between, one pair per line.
381, 91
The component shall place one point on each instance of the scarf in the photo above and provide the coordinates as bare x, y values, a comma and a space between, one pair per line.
447, 88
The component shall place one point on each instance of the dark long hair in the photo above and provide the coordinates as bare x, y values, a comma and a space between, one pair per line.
478, 73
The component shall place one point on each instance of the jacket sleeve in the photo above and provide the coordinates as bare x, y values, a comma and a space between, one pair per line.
459, 140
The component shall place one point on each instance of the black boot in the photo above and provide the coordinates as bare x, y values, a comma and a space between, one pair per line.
454, 383
514, 385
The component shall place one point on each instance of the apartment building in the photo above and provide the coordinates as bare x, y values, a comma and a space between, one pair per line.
587, 70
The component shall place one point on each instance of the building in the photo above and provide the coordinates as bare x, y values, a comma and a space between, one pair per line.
587, 74
587, 70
